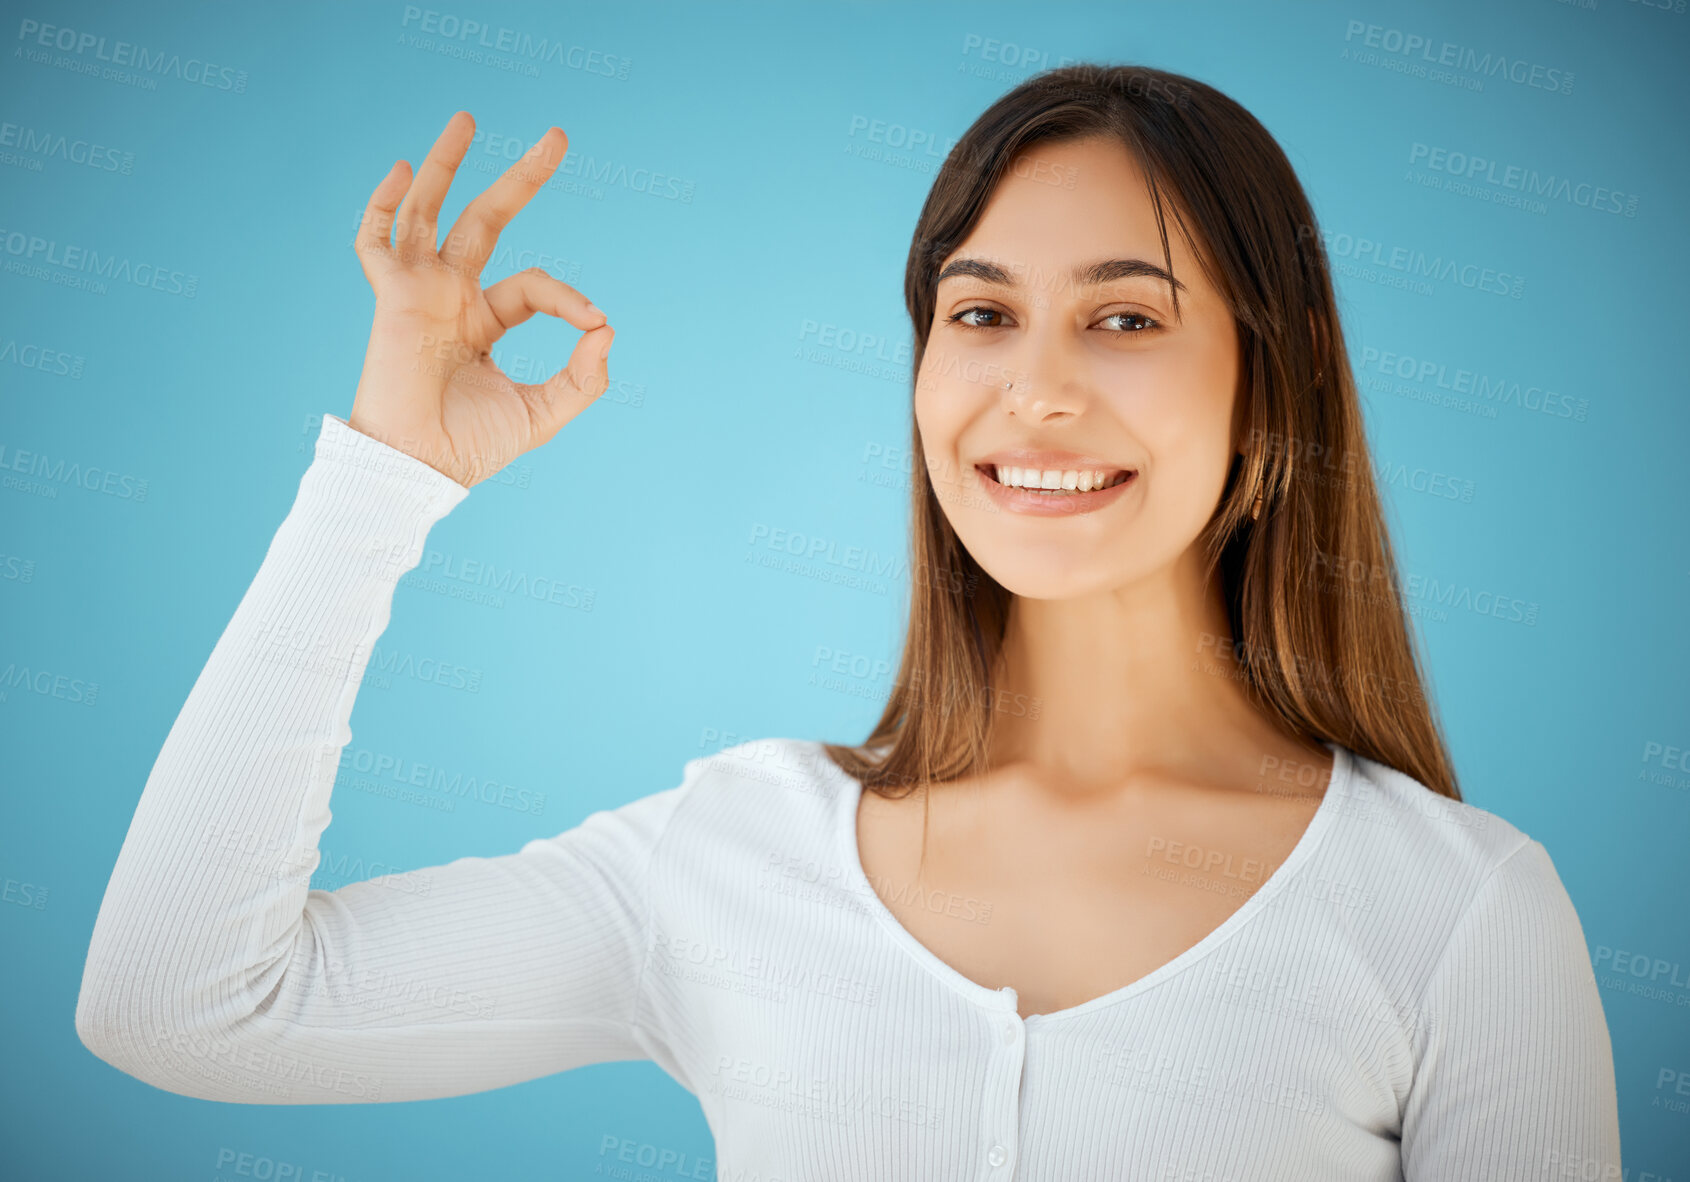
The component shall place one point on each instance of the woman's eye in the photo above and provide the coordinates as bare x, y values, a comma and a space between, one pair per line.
1147, 321
957, 318
1134, 323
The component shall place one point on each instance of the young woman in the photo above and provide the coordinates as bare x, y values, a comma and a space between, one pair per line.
1155, 865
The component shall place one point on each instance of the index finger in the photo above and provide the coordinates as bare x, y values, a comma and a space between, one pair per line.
470, 241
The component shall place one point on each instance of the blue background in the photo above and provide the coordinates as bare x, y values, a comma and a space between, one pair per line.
749, 177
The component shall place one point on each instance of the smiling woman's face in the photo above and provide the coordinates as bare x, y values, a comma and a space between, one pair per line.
1101, 371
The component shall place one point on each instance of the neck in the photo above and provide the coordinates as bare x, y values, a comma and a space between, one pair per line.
1130, 682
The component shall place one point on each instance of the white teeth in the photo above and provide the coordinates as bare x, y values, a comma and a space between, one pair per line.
1052, 480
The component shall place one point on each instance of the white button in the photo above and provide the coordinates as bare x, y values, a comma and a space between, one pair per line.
1009, 1030
998, 1155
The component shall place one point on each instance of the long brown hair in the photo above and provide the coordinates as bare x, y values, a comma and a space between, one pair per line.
1320, 639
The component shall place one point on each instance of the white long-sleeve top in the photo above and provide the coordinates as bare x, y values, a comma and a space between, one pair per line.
1408, 995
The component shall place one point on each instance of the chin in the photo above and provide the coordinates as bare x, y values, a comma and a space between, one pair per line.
1034, 579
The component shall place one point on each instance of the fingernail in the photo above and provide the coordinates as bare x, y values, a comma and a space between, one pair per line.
592, 307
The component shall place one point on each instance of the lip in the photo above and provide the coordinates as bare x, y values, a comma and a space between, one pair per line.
1037, 504
1029, 457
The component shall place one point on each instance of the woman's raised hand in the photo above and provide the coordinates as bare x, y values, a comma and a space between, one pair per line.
429, 386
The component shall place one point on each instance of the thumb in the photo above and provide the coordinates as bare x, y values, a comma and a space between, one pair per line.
578, 384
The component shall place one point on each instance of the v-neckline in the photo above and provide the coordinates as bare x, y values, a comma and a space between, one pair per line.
1005, 998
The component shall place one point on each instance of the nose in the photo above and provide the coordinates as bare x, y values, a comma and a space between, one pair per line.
1047, 385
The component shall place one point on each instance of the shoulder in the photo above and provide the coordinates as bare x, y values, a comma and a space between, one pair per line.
1448, 843
759, 785
755, 819
792, 767
731, 793
1423, 866
1445, 884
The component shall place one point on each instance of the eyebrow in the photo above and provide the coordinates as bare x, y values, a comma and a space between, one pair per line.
1083, 275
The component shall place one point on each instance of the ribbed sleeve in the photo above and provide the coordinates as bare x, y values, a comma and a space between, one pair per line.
215, 971
1515, 1076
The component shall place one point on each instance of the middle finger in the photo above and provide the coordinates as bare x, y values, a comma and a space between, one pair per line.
421, 209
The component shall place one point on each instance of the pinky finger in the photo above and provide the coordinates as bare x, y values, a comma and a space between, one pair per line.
375, 231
